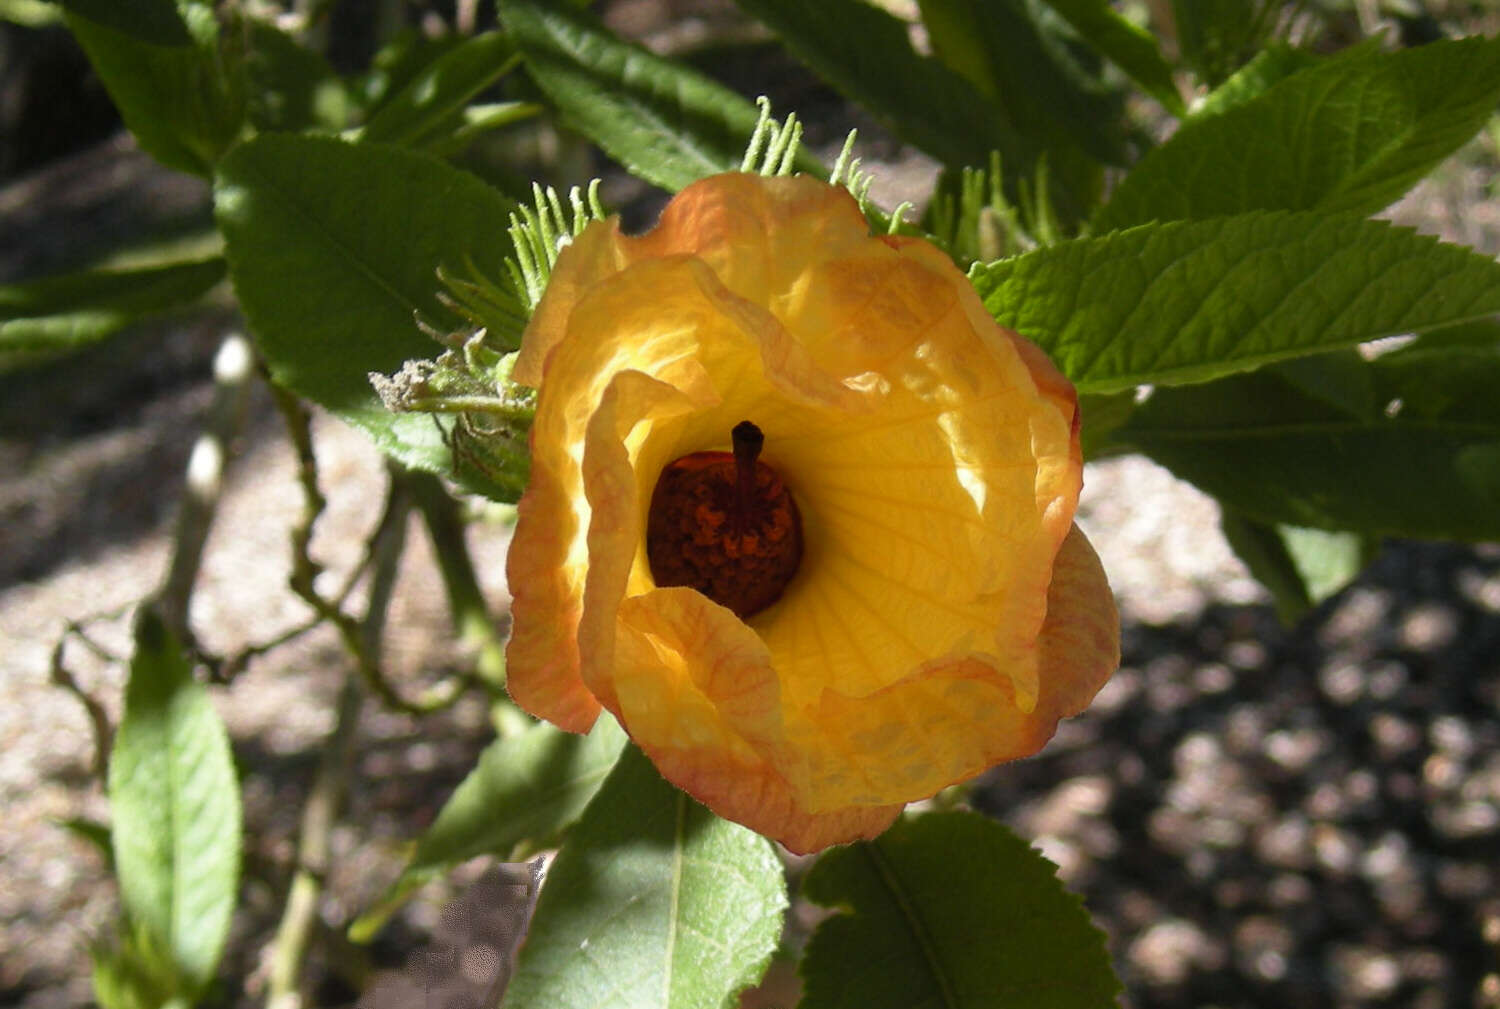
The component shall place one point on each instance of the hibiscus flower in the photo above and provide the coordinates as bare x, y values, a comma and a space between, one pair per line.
800, 513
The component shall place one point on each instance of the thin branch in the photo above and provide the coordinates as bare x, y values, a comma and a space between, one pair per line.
98, 717
325, 800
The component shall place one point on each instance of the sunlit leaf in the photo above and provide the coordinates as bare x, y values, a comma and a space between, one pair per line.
1352, 134
654, 903
175, 809
334, 250
1191, 301
171, 90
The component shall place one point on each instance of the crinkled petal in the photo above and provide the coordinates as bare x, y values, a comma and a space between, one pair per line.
946, 612
688, 671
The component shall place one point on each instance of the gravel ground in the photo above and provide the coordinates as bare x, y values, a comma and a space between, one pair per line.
1256, 815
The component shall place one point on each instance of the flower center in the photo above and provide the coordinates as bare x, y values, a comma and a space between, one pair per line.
725, 524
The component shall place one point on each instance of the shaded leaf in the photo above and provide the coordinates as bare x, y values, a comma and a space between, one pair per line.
1191, 301
1426, 465
1216, 36
866, 54
654, 903
1130, 48
175, 809
75, 309
1352, 134
432, 102
292, 87
334, 250
1020, 62
950, 911
1299, 567
153, 21
666, 123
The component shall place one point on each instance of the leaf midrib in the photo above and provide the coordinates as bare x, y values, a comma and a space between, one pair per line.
273, 188
918, 929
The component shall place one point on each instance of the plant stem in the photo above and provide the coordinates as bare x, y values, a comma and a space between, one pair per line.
466, 602
326, 798
233, 367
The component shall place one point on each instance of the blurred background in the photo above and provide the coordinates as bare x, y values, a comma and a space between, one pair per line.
1257, 814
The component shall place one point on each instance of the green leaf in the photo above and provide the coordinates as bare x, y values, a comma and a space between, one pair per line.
291, 87
173, 93
1188, 301
175, 808
75, 309
666, 123
654, 903
131, 972
334, 250
93, 833
866, 53
1300, 567
524, 791
432, 103
1130, 48
1216, 36
1350, 135
1271, 65
153, 21
1022, 63
950, 911
31, 13
1427, 464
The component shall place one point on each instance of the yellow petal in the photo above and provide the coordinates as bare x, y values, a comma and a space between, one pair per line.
945, 615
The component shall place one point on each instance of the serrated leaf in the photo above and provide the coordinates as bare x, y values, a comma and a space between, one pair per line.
1272, 65
1130, 48
334, 250
75, 309
524, 790
172, 93
175, 809
950, 911
1426, 465
653, 903
1350, 135
1189, 301
668, 124
432, 103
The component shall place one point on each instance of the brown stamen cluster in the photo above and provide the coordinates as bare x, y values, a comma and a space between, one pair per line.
725, 524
